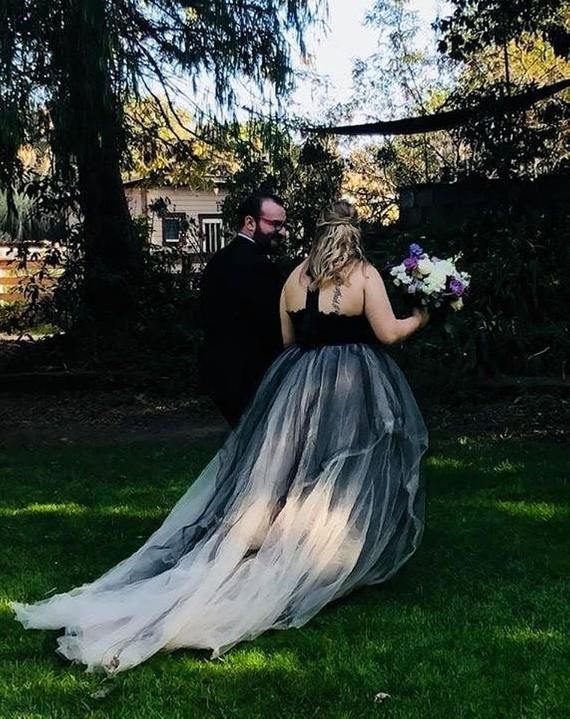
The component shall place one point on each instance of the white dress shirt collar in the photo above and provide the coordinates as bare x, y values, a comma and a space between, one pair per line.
247, 237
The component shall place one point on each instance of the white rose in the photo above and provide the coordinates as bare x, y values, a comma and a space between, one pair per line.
425, 266
437, 278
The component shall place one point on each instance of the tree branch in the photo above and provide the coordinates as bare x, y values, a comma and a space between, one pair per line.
445, 120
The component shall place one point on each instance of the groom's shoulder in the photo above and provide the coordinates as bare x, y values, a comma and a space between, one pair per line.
237, 252
223, 255
231, 258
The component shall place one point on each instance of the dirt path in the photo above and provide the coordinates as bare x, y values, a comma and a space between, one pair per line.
45, 409
108, 416
92, 416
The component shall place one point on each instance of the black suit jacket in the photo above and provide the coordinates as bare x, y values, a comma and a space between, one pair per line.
240, 313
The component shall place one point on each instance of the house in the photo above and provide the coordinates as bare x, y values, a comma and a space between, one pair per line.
171, 210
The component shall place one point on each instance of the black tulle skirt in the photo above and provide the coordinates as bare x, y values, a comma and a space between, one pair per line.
316, 492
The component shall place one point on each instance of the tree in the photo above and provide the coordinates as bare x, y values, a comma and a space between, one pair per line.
401, 78
167, 147
306, 175
69, 67
476, 25
445, 119
506, 49
501, 112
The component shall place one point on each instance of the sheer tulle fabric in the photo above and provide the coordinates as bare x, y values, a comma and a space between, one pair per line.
316, 492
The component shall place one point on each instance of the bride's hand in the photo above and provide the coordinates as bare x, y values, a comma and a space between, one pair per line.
422, 315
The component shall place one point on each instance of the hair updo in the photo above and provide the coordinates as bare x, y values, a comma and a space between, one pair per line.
337, 246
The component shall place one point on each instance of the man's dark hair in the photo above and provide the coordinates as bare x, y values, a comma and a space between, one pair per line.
252, 205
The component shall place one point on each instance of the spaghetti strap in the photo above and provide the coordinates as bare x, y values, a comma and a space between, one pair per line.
312, 301
312, 298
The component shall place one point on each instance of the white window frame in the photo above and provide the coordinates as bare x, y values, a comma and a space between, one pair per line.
211, 233
180, 217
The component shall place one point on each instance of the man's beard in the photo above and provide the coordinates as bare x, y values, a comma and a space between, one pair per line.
268, 241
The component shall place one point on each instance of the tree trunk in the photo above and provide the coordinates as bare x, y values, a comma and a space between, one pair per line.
113, 253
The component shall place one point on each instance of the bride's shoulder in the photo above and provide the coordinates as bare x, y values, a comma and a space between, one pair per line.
369, 273
362, 272
298, 272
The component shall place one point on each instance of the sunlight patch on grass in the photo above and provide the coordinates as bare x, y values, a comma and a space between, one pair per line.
527, 635
533, 510
256, 660
73, 509
68, 508
484, 501
43, 682
445, 463
508, 467
5, 610
126, 511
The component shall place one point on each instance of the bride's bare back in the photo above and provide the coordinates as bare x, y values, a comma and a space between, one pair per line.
363, 292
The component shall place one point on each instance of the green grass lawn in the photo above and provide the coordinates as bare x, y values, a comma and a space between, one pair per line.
476, 625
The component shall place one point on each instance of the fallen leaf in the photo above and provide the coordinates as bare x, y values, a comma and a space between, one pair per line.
381, 697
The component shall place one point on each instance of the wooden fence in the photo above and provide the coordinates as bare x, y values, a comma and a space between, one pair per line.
15, 275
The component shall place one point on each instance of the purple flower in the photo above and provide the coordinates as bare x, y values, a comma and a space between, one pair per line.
416, 250
456, 286
411, 263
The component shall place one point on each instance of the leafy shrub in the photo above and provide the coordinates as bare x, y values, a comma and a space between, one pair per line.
515, 321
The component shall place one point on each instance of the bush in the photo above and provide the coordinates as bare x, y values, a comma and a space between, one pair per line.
515, 321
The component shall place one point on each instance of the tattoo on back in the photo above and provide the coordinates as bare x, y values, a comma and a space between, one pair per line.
336, 300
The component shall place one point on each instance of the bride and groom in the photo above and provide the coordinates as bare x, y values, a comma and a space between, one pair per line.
317, 489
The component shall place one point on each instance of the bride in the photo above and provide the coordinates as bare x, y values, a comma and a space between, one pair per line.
316, 492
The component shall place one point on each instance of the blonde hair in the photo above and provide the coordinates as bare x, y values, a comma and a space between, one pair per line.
337, 245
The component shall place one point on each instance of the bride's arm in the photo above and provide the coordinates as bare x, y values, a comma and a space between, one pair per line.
287, 330
387, 328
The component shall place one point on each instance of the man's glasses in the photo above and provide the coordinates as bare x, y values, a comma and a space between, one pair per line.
276, 224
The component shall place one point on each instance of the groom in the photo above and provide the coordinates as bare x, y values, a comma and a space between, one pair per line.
240, 307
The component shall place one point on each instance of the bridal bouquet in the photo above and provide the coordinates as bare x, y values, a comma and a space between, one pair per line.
430, 281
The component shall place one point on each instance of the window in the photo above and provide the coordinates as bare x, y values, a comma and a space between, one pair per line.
172, 227
211, 233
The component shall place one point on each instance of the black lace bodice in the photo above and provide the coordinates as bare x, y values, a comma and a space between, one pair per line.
314, 328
